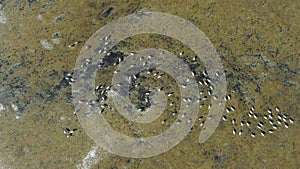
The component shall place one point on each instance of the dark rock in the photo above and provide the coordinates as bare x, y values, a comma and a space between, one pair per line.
218, 158
107, 12
59, 18
2, 4
112, 58
30, 2
53, 73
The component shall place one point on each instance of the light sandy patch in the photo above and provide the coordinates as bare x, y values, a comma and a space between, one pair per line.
95, 155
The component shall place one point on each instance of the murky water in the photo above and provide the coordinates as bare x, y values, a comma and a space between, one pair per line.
259, 46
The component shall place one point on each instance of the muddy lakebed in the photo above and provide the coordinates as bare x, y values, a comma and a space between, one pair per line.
259, 48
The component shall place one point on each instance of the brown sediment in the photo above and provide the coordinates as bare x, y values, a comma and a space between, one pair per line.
258, 45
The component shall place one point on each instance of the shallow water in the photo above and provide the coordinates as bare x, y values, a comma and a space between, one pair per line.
259, 48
